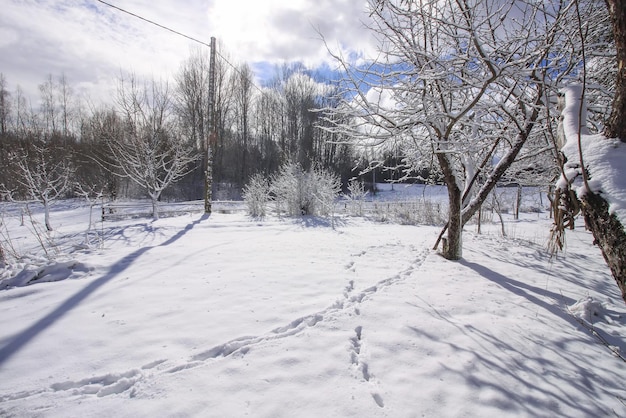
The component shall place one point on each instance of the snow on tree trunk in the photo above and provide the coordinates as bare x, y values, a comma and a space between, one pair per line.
46, 209
593, 182
155, 206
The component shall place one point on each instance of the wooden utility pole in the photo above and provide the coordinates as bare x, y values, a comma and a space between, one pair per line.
212, 135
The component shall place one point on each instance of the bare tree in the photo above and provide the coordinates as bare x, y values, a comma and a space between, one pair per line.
243, 102
43, 174
458, 82
5, 106
149, 150
49, 106
192, 87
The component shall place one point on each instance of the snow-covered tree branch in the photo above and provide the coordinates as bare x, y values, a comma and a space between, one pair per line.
458, 82
148, 148
43, 174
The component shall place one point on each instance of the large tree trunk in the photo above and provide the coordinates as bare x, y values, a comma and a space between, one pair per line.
609, 235
616, 125
453, 244
155, 206
607, 230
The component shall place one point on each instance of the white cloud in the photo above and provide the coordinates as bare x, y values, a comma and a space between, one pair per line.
287, 30
91, 42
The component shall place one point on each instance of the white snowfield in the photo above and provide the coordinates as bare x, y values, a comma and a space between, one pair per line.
225, 316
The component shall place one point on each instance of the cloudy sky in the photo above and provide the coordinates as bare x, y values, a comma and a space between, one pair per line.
91, 42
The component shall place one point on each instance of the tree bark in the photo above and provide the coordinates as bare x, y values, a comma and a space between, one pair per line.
607, 230
453, 244
608, 234
616, 125
46, 211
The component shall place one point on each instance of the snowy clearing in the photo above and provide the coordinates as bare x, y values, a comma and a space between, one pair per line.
228, 316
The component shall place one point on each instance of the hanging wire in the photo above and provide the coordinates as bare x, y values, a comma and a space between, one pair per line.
177, 33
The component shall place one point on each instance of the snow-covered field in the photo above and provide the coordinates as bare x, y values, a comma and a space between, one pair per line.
225, 316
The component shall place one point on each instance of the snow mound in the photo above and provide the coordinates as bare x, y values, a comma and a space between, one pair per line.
588, 309
57, 271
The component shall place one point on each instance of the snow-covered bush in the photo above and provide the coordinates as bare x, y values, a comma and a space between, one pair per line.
356, 195
299, 192
256, 195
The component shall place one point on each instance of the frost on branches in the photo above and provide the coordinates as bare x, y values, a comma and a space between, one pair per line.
296, 192
458, 89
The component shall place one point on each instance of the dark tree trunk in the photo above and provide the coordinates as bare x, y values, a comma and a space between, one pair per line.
607, 230
616, 125
452, 245
608, 234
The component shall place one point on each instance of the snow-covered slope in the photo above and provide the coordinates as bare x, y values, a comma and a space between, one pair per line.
227, 316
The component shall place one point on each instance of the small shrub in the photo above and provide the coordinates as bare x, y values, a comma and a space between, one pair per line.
299, 192
256, 195
356, 196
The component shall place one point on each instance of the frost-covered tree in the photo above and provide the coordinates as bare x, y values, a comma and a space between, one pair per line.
459, 83
42, 173
256, 194
148, 149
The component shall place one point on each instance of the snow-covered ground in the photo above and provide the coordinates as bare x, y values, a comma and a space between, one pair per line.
225, 316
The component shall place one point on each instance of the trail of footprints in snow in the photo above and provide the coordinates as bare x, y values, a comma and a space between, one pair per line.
116, 383
362, 366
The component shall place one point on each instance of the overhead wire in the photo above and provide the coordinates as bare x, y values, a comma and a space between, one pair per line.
177, 33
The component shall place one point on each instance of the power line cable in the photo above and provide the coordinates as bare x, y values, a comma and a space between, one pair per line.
154, 23
177, 33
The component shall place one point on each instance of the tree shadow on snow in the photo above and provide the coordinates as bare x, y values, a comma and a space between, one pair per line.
587, 380
310, 221
554, 304
512, 378
24, 337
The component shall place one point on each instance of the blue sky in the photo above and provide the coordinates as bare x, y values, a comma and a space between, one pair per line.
91, 43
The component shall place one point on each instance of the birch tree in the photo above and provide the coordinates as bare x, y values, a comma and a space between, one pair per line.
5, 106
458, 84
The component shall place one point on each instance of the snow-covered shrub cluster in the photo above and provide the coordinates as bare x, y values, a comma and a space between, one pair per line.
298, 192
295, 191
256, 194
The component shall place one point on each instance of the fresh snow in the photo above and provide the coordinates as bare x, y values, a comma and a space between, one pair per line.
226, 316
603, 158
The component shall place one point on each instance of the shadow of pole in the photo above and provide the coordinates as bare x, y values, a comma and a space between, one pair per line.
31, 332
